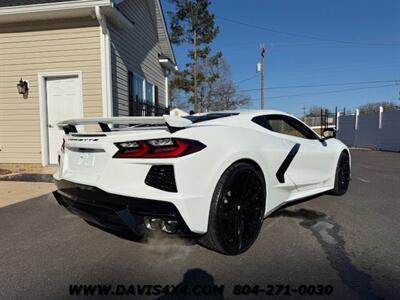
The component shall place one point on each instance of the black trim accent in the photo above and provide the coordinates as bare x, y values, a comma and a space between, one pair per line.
89, 135
115, 212
86, 150
104, 127
162, 177
280, 174
70, 128
210, 116
172, 129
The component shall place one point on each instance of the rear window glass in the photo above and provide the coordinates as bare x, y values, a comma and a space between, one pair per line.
208, 117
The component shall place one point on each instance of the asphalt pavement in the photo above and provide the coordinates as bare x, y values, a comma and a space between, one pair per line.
350, 243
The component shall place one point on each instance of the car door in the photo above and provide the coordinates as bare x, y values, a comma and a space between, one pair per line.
307, 162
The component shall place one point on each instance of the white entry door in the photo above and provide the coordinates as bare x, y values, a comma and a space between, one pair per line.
64, 101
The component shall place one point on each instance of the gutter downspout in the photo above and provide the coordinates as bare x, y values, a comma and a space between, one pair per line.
105, 64
166, 82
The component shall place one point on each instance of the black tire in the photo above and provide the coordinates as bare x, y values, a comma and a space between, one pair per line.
237, 210
342, 177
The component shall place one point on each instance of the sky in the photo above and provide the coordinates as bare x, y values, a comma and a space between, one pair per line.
337, 44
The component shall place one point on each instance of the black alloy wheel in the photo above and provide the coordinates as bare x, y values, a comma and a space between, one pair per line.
342, 179
237, 210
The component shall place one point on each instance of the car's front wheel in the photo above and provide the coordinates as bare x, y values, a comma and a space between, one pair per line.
342, 177
237, 210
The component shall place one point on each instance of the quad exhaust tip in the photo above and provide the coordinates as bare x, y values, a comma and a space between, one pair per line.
163, 224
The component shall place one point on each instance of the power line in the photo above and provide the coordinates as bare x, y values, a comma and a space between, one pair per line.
393, 82
246, 79
329, 92
306, 36
323, 85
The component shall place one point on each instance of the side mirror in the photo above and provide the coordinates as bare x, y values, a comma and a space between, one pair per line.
329, 133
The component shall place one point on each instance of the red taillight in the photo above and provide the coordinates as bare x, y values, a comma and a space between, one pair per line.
159, 148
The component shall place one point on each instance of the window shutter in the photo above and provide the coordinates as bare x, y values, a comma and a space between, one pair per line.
156, 100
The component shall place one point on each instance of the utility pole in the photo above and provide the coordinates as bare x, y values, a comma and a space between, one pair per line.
195, 54
304, 111
262, 53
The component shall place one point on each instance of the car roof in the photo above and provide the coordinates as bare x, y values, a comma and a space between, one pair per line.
231, 117
257, 112
241, 118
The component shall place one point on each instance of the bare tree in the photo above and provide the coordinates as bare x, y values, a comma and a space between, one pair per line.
216, 92
315, 111
219, 92
374, 106
179, 100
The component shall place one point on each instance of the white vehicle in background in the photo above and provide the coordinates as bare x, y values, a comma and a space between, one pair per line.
214, 176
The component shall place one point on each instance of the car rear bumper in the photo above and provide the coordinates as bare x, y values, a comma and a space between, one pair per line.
116, 213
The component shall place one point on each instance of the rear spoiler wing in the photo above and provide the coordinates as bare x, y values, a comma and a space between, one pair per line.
173, 123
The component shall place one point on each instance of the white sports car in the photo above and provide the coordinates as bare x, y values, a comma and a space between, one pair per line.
214, 176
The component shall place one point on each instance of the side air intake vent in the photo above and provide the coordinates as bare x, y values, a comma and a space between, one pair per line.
162, 178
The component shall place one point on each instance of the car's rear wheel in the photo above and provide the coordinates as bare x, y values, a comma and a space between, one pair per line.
342, 178
237, 210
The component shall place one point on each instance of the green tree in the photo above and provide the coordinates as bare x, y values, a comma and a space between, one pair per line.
193, 24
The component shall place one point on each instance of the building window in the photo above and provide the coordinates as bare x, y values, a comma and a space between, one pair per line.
143, 97
149, 93
138, 88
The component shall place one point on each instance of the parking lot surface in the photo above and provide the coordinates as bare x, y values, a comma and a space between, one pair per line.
351, 243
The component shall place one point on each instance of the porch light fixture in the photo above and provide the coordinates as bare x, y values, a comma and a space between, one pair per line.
23, 87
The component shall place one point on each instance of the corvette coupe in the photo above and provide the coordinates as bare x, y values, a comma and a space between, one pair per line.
213, 176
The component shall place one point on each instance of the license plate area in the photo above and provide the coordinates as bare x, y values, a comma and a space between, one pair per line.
84, 164
84, 160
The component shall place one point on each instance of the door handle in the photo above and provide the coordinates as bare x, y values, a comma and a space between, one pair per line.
50, 126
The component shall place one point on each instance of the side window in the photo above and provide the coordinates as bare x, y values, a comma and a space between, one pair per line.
282, 126
306, 132
285, 125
